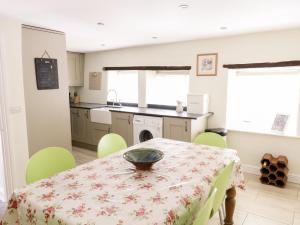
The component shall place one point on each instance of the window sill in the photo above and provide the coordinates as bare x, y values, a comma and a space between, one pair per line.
263, 132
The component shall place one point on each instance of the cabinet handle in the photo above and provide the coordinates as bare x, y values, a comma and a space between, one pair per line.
129, 119
87, 114
186, 128
108, 131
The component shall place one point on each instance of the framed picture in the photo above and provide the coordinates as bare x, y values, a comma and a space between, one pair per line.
280, 121
207, 64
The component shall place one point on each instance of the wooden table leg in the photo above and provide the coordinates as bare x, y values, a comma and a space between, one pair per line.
230, 206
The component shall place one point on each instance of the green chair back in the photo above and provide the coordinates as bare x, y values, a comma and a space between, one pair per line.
211, 139
221, 183
109, 144
203, 215
48, 162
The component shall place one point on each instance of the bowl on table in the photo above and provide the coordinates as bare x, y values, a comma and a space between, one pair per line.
143, 158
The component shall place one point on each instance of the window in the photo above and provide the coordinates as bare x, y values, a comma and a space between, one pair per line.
125, 83
164, 88
256, 96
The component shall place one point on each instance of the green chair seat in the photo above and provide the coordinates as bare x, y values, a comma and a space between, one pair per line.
109, 144
48, 162
211, 139
203, 215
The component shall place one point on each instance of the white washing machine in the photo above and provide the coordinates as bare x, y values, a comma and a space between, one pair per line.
146, 128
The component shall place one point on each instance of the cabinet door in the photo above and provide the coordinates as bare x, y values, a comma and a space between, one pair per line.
98, 131
77, 125
122, 125
177, 129
72, 69
86, 127
81, 70
75, 69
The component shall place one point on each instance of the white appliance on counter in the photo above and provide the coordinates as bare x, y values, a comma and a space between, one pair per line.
146, 128
197, 103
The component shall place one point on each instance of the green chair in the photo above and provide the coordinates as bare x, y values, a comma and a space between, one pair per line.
211, 139
48, 162
203, 215
109, 144
221, 184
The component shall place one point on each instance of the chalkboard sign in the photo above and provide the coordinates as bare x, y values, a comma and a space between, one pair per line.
46, 73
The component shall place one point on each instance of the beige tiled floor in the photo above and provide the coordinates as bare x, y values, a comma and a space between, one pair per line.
266, 205
83, 156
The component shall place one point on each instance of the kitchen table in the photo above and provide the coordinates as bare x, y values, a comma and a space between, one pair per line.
110, 191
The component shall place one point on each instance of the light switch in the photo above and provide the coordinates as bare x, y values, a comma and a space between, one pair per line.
15, 109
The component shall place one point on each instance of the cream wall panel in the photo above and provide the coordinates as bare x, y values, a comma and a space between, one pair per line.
48, 112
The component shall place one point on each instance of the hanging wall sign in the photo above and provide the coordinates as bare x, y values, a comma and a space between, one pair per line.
46, 73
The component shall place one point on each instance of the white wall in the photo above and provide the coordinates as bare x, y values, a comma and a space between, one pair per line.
259, 47
48, 112
10, 37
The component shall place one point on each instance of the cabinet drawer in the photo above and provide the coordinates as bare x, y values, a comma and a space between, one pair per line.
98, 130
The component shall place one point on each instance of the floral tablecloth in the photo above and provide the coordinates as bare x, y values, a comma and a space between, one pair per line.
110, 191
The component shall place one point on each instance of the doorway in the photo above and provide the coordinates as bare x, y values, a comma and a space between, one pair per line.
6, 180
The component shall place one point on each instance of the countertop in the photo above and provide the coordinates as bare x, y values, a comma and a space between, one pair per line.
159, 112
84, 105
143, 111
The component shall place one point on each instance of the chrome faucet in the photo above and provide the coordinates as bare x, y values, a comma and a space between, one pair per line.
116, 95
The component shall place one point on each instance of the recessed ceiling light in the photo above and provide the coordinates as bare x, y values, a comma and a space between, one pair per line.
154, 37
183, 6
100, 24
102, 45
223, 28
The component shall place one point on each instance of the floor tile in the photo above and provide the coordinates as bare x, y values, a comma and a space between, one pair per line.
252, 219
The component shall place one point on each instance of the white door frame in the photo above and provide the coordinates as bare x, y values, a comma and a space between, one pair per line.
7, 154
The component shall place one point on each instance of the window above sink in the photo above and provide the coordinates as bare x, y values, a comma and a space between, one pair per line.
155, 88
125, 83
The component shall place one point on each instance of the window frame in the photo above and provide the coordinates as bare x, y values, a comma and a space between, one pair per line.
142, 90
233, 72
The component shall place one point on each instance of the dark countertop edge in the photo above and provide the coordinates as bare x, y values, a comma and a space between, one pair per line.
188, 116
86, 105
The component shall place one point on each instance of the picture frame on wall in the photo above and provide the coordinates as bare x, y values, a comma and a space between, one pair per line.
207, 64
280, 122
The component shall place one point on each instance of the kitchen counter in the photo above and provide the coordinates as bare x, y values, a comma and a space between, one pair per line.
143, 111
84, 105
160, 112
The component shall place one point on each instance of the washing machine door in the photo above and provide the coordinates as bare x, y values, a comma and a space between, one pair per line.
145, 135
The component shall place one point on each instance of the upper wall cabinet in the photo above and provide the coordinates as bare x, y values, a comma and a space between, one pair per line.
76, 68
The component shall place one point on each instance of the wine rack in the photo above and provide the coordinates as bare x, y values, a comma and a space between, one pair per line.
274, 170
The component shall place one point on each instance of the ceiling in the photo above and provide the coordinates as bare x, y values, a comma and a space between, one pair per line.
135, 22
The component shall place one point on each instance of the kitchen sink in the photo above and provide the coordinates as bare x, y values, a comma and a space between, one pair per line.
101, 115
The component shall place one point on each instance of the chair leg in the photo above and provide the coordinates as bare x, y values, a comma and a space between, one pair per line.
221, 217
223, 209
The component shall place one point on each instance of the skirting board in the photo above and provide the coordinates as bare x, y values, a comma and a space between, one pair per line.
292, 177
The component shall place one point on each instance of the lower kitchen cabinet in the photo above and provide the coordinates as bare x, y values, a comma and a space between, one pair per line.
183, 129
80, 124
98, 130
122, 124
177, 129
85, 131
